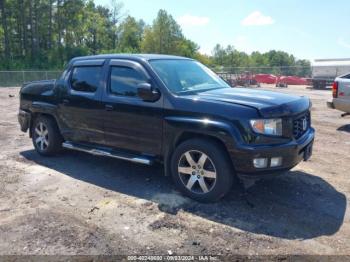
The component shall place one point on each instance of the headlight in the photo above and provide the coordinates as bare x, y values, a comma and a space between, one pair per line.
267, 126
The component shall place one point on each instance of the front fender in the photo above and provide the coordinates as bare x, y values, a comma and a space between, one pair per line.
43, 107
38, 107
175, 126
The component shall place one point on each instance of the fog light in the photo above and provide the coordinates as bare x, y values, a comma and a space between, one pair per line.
260, 162
276, 161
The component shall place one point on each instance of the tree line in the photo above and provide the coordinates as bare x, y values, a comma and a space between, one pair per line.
275, 62
45, 34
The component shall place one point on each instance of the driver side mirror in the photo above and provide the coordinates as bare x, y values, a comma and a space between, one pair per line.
147, 93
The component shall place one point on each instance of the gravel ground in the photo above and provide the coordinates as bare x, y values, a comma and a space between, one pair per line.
76, 203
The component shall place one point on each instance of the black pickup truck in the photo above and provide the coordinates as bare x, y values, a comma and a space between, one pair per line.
172, 110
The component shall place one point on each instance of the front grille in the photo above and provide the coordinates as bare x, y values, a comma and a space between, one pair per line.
301, 124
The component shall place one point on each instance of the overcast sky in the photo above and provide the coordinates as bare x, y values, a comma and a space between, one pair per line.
306, 28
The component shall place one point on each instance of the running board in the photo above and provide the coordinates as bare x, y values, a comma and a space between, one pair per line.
109, 153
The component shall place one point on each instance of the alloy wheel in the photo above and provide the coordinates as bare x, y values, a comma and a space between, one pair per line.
41, 136
197, 172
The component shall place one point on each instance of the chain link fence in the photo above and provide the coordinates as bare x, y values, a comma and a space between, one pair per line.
17, 78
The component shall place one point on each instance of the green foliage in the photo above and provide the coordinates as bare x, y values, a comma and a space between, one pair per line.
130, 33
204, 59
275, 62
45, 34
165, 37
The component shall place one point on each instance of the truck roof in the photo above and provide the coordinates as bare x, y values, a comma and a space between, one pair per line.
130, 56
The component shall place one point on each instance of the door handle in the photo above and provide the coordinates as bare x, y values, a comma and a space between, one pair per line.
109, 107
65, 101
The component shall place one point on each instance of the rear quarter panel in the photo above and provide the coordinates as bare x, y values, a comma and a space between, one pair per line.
342, 102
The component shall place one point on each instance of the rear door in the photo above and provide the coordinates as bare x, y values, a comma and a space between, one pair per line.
80, 105
129, 122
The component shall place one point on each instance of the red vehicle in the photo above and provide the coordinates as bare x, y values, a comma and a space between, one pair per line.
265, 78
293, 80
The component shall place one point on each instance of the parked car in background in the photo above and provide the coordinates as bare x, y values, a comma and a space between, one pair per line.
173, 110
341, 94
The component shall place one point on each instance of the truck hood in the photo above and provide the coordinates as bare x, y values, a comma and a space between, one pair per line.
268, 103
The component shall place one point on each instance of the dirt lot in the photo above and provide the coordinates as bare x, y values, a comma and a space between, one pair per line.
81, 204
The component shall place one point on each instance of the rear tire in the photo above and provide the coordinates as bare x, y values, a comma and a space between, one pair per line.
202, 170
46, 136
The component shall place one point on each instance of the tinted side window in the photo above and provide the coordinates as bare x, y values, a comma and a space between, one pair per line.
346, 76
124, 81
86, 79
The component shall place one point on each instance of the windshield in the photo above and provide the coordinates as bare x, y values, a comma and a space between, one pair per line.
187, 76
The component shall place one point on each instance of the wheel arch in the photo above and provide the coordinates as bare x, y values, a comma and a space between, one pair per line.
39, 108
223, 172
35, 115
187, 135
178, 131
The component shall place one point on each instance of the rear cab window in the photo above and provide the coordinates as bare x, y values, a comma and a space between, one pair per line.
86, 75
346, 76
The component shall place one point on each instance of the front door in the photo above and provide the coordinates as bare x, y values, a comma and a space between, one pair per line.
129, 122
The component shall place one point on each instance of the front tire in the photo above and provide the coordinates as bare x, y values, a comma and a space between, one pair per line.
202, 170
46, 136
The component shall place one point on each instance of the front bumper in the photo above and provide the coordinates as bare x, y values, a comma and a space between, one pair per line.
341, 104
292, 153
